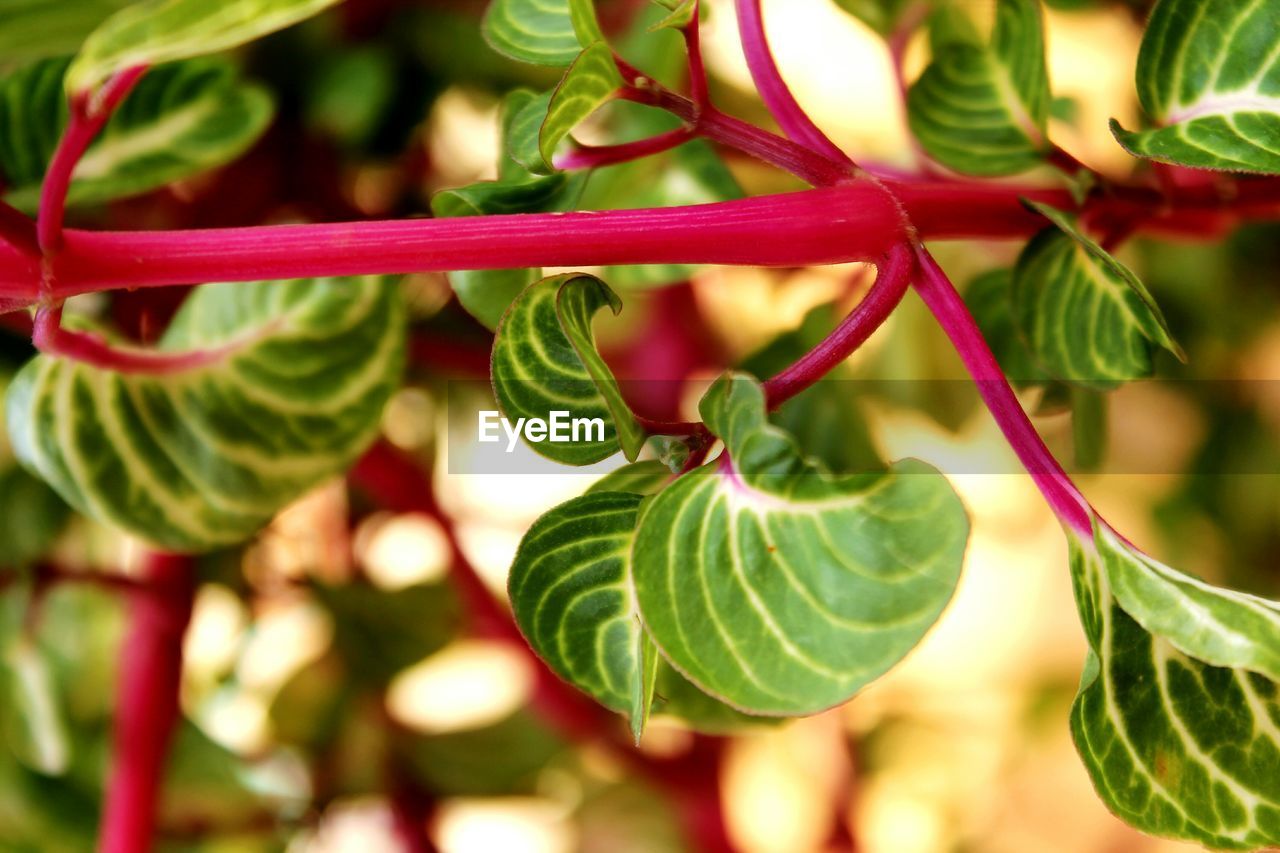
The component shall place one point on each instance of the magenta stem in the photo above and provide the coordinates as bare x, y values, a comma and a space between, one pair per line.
949, 309
147, 710
852, 222
593, 156
892, 278
698, 91
793, 120
89, 112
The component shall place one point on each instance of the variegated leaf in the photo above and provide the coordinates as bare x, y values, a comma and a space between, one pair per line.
545, 361
1178, 714
1086, 317
1209, 77
983, 109
544, 32
156, 31
291, 389
182, 119
779, 588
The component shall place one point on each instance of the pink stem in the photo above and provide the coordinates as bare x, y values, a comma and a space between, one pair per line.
793, 120
698, 91
942, 299
851, 222
147, 710
892, 277
593, 157
49, 337
89, 112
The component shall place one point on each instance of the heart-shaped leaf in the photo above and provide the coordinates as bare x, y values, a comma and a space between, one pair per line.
288, 390
1178, 714
544, 32
182, 119
781, 589
545, 362
1207, 75
157, 31
1086, 317
983, 109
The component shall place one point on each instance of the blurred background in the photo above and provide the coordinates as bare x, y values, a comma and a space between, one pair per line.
342, 673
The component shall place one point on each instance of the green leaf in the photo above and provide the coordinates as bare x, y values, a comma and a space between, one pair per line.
1178, 714
570, 590
36, 29
33, 514
883, 16
158, 31
203, 457
544, 32
1089, 428
682, 12
32, 716
983, 109
637, 478
1086, 317
781, 589
591, 81
182, 119
545, 361
1209, 76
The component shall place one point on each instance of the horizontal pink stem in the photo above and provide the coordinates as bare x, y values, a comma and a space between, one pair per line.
892, 278
851, 222
793, 120
949, 309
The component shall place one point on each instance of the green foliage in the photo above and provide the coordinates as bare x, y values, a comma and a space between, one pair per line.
882, 16
636, 478
983, 109
1178, 716
1086, 317
157, 31
182, 119
780, 589
205, 456
545, 360
35, 29
544, 32
570, 588
1209, 77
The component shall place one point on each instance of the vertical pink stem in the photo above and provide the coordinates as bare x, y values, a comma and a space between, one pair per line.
793, 120
147, 709
89, 112
698, 91
949, 309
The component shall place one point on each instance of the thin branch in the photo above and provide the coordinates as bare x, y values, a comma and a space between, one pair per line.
593, 156
49, 337
699, 93
892, 279
793, 120
89, 113
949, 309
